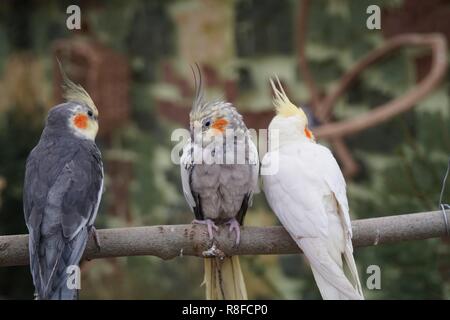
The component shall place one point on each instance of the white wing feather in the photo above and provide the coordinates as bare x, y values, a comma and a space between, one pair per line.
291, 196
307, 173
186, 164
308, 165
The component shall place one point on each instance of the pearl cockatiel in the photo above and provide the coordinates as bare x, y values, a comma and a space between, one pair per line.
308, 194
217, 191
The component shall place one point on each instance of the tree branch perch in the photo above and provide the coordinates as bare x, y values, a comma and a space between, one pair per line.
170, 241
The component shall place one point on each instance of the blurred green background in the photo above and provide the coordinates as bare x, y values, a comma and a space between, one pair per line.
134, 56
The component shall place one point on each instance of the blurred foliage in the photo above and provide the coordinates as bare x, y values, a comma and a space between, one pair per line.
403, 160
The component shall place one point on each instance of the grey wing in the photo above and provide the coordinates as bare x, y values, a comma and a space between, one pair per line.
34, 198
81, 202
253, 183
59, 239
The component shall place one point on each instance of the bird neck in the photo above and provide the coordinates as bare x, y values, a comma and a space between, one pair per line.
284, 131
283, 138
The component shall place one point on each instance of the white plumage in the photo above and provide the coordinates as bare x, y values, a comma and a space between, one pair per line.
308, 195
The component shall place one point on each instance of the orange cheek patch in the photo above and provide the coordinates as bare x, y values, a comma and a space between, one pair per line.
220, 124
80, 121
308, 133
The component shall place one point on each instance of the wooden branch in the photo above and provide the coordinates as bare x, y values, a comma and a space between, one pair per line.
170, 241
335, 131
349, 165
437, 44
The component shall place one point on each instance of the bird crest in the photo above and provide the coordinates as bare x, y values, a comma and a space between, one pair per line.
198, 104
200, 107
283, 106
75, 92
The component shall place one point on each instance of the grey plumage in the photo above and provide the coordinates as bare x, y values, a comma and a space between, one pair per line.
222, 190
218, 190
62, 191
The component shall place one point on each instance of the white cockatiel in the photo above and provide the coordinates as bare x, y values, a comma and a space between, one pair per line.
307, 192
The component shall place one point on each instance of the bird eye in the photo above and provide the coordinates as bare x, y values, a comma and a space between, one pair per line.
90, 114
207, 123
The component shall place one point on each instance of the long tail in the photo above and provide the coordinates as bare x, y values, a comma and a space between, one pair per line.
64, 293
329, 275
50, 263
350, 261
224, 279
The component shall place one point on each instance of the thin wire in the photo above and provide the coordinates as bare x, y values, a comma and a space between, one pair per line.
444, 206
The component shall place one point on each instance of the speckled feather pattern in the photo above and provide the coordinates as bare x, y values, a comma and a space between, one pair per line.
221, 189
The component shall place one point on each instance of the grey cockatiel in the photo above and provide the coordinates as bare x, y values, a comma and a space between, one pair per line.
62, 191
219, 189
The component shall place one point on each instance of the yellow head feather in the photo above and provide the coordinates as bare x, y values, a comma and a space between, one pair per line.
75, 92
283, 106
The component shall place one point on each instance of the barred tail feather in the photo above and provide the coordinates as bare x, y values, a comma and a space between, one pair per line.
224, 279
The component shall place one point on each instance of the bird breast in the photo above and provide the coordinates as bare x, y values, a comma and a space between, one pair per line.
221, 188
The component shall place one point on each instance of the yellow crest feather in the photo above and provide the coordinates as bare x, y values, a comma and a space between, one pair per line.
75, 92
283, 106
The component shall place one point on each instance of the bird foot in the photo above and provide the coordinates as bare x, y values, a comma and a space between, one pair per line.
234, 225
209, 224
